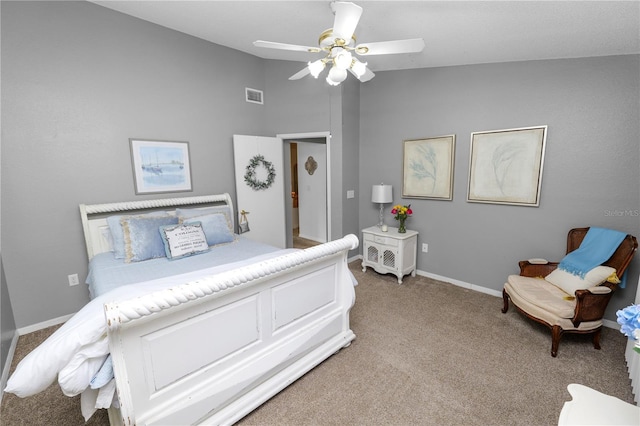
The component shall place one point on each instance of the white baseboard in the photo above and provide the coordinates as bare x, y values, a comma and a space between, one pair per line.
35, 327
611, 324
7, 364
459, 283
607, 323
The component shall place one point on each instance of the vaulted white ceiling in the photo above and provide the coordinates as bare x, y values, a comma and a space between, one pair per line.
455, 32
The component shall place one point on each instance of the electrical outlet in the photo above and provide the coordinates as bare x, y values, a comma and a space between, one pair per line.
425, 247
73, 279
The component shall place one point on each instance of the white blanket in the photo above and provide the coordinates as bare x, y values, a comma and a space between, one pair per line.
77, 350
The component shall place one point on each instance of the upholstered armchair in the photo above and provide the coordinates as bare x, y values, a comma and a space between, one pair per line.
564, 302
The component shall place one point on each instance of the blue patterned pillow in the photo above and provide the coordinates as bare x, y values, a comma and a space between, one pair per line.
191, 213
142, 240
215, 228
117, 233
104, 375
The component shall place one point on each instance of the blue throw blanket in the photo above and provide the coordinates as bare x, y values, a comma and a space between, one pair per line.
596, 248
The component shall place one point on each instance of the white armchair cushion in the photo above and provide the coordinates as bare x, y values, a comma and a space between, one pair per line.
569, 283
541, 294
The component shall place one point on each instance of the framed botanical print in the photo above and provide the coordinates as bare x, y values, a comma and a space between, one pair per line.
427, 168
505, 166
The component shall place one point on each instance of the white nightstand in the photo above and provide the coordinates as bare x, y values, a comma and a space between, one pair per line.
390, 252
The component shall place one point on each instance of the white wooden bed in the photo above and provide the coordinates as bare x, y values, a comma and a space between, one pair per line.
212, 350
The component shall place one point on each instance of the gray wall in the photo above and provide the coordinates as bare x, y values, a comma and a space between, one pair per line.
591, 165
350, 159
78, 81
7, 322
310, 105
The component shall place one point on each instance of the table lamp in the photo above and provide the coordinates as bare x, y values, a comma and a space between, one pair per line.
381, 194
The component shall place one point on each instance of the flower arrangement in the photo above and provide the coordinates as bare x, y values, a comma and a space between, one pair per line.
629, 320
401, 213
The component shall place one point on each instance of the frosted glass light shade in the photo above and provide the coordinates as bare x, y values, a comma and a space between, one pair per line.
336, 76
343, 59
315, 68
382, 193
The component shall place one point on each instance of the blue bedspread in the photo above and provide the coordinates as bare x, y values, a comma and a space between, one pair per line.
106, 272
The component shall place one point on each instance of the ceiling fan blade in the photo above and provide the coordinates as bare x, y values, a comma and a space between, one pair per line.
346, 20
368, 75
391, 47
303, 72
284, 46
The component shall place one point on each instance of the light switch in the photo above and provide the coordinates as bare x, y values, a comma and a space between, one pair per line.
351, 193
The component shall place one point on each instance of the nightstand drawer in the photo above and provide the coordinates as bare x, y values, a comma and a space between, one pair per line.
387, 241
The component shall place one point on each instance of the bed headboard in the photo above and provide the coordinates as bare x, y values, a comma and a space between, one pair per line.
94, 216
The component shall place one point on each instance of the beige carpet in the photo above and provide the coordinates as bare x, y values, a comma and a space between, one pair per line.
426, 353
302, 243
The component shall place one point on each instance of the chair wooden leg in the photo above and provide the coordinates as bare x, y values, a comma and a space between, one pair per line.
505, 299
556, 332
596, 338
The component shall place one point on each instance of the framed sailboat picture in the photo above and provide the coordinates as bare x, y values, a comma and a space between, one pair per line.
160, 166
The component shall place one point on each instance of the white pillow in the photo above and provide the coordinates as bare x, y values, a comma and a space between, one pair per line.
569, 283
84, 365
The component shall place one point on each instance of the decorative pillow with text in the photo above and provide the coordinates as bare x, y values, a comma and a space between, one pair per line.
183, 240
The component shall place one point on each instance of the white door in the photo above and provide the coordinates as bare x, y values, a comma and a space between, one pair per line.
262, 196
312, 191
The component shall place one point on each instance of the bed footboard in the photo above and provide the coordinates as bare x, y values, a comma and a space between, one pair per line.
212, 350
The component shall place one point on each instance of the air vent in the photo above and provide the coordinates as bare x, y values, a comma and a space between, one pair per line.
254, 96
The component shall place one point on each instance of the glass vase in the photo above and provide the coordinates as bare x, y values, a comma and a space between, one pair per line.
401, 228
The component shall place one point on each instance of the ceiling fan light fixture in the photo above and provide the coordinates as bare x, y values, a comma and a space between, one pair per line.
316, 67
338, 44
336, 76
343, 59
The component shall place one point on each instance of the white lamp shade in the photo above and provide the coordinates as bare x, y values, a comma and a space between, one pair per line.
382, 193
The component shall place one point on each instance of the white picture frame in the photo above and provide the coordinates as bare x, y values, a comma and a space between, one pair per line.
160, 166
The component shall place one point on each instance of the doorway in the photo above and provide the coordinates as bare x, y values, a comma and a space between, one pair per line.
307, 189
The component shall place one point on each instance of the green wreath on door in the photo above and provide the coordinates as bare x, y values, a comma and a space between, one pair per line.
250, 173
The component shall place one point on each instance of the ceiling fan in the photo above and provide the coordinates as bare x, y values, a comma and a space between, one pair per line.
339, 46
